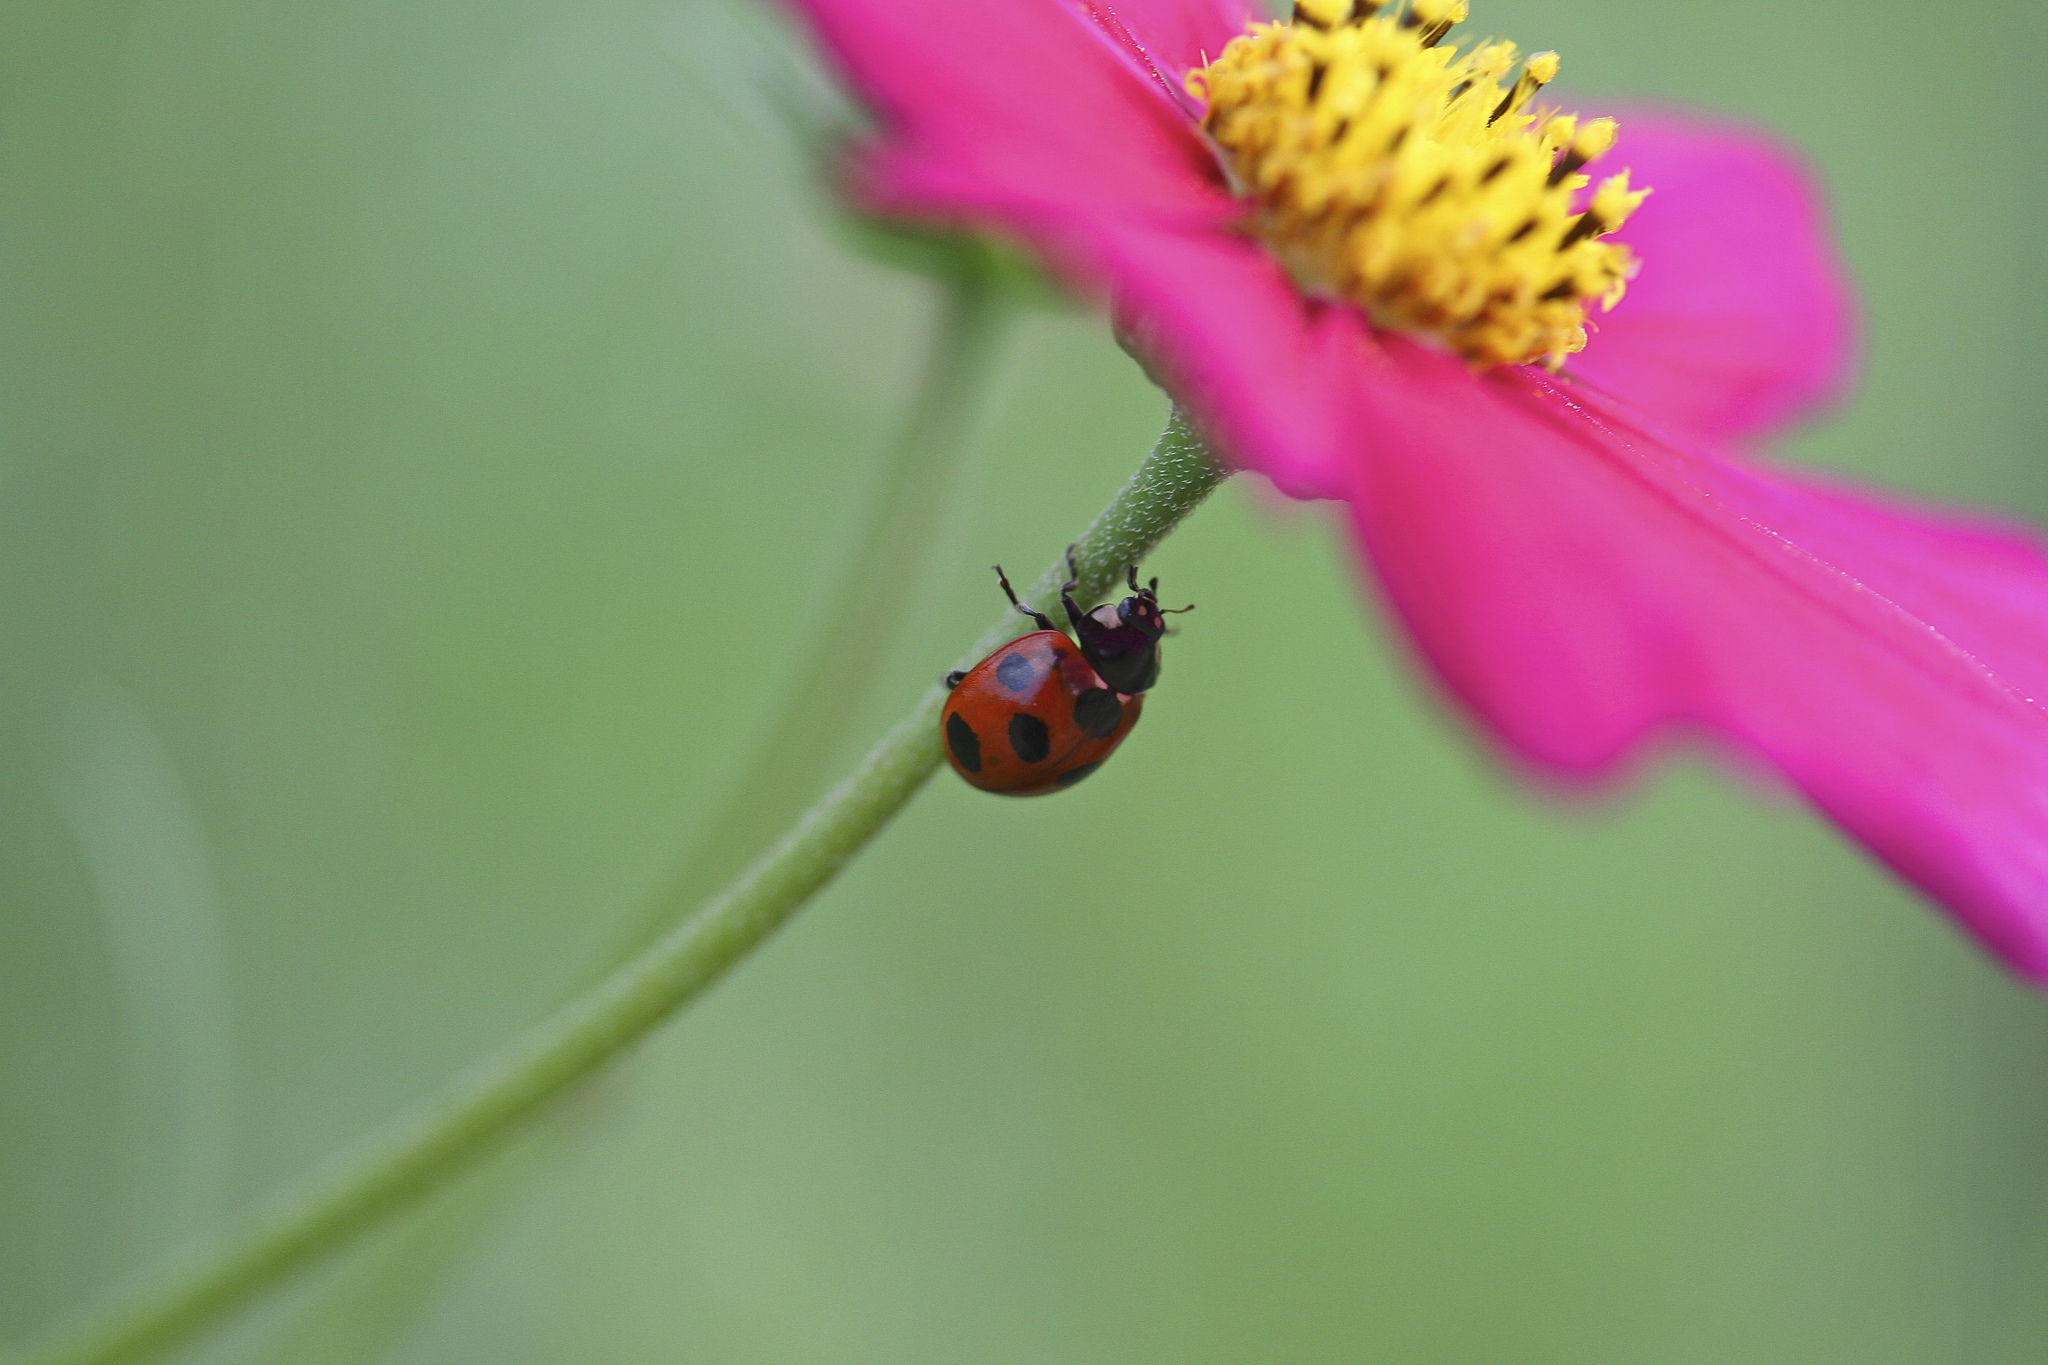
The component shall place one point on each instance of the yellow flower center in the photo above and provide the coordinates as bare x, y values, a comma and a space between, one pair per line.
1390, 172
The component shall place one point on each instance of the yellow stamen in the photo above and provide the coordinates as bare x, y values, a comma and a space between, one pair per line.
1417, 183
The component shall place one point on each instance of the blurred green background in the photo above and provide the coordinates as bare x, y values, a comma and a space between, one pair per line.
429, 432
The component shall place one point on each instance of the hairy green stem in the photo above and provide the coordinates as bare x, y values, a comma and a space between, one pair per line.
439, 1139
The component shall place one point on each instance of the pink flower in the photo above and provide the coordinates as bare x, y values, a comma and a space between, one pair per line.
1586, 559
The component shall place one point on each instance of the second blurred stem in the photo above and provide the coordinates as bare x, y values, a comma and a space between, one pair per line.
833, 679
374, 1301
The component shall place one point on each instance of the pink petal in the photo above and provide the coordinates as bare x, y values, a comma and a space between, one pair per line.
1583, 586
1268, 374
1169, 38
1741, 321
1265, 368
1011, 102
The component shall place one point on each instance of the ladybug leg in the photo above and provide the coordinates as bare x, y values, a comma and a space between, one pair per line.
952, 680
1044, 621
1074, 612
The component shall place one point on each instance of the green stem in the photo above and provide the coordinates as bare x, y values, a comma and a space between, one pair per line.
819, 708
423, 1149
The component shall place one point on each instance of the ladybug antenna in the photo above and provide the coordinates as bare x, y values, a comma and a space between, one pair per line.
1177, 611
1131, 577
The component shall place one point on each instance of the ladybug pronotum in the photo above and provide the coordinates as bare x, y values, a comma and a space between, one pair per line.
1042, 712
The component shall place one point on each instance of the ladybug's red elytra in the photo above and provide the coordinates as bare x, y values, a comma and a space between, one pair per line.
1041, 713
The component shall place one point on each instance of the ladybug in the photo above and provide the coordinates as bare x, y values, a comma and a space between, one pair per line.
1040, 714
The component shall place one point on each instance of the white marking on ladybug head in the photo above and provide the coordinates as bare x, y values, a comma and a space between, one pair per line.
1106, 615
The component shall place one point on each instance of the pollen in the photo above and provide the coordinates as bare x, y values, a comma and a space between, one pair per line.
1386, 170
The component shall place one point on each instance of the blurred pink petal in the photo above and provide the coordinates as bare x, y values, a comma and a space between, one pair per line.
1013, 103
1740, 322
1583, 585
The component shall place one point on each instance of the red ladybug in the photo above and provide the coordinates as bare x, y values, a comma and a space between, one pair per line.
1040, 714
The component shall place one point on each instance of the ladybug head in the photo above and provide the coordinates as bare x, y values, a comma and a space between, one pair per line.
1141, 610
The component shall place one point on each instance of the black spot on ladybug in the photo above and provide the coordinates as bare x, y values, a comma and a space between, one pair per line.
964, 743
1016, 672
1073, 775
1029, 737
1098, 712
